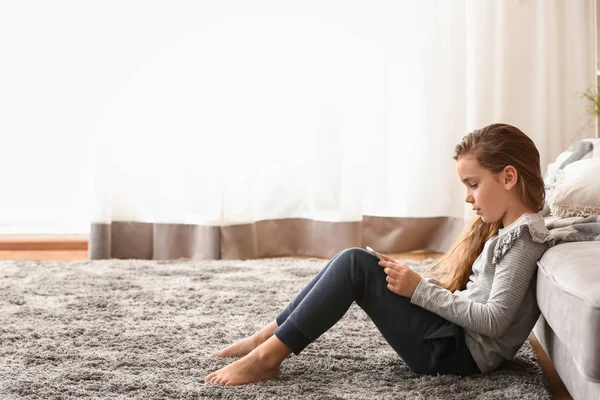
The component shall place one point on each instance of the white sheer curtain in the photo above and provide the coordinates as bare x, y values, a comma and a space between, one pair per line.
332, 110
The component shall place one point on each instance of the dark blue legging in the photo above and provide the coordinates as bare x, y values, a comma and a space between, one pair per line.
428, 343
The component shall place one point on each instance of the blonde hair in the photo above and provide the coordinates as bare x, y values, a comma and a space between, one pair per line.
494, 147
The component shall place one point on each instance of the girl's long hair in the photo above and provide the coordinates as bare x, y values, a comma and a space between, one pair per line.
494, 146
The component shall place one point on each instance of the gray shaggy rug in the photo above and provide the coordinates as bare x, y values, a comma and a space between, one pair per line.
118, 329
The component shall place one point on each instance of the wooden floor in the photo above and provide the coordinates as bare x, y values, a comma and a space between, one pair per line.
62, 255
558, 389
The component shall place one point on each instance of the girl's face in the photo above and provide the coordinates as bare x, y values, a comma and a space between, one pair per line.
485, 191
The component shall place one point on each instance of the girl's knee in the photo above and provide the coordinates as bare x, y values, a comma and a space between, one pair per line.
355, 251
361, 256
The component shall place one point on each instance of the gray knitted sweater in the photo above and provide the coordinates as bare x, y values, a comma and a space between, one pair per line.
498, 308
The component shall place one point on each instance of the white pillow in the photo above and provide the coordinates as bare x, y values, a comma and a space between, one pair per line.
552, 169
596, 152
577, 190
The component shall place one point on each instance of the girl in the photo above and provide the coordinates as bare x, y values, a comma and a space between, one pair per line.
477, 313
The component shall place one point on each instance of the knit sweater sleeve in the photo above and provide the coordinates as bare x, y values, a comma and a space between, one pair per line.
512, 277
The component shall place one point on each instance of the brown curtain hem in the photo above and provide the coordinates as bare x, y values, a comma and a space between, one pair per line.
270, 238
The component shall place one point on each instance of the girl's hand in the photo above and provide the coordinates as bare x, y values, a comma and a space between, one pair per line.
401, 279
386, 258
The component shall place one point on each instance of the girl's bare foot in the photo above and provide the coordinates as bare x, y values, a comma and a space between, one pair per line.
243, 371
260, 364
239, 348
245, 346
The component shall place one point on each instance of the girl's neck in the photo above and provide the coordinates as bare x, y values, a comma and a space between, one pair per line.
512, 215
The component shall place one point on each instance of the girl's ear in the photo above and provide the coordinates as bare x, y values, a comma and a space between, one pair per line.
510, 177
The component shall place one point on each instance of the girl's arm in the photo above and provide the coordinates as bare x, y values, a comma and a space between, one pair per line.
512, 279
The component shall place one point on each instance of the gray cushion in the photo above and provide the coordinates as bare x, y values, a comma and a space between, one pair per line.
568, 293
